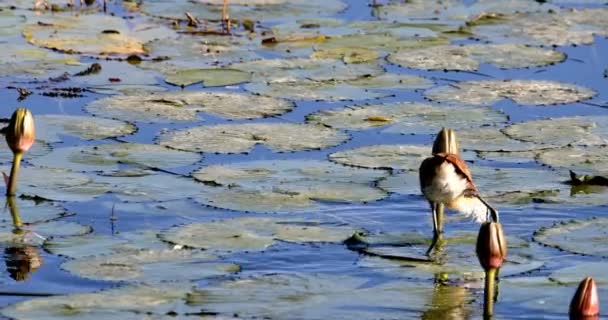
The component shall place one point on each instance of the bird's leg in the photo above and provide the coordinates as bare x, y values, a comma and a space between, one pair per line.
437, 209
493, 213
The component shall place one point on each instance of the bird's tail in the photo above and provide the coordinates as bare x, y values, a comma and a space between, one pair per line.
471, 207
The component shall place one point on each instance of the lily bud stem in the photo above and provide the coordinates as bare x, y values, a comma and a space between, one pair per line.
488, 305
10, 201
11, 188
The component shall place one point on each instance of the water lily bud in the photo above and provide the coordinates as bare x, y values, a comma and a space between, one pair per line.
446, 142
585, 303
491, 246
20, 132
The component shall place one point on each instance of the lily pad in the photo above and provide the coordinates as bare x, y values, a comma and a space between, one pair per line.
407, 117
153, 187
116, 77
524, 92
38, 149
150, 266
111, 157
50, 128
183, 106
233, 138
19, 59
285, 185
469, 57
537, 294
93, 34
318, 296
492, 139
313, 90
583, 131
252, 234
217, 77
392, 81
590, 160
57, 184
587, 237
245, 9
457, 259
348, 55
574, 274
550, 28
123, 302
406, 157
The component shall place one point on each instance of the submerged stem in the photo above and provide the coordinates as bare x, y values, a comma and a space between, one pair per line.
488, 305
11, 188
14, 212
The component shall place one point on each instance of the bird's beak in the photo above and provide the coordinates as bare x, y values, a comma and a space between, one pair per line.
446, 142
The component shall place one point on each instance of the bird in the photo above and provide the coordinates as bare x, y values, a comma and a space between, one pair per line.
446, 181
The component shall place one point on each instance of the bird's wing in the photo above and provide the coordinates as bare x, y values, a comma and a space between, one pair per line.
462, 168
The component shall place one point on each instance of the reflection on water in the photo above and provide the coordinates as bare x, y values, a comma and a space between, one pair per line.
449, 303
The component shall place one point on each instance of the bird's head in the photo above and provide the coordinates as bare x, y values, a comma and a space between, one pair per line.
446, 142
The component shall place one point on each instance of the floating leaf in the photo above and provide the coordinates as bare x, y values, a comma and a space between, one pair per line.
129, 76
550, 28
244, 234
183, 106
217, 77
469, 57
112, 157
38, 149
19, 59
150, 266
50, 128
154, 187
313, 90
318, 296
232, 138
93, 34
123, 302
407, 157
492, 139
407, 257
245, 9
584, 131
590, 160
348, 55
392, 81
538, 294
578, 236
58, 184
525, 92
285, 185
573, 275
407, 117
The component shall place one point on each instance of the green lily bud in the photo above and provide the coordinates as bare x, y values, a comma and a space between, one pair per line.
491, 246
585, 303
21, 132
446, 142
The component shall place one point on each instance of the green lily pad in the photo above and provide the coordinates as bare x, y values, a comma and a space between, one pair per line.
285, 185
584, 131
407, 117
233, 138
153, 187
111, 157
574, 274
56, 184
457, 259
589, 160
218, 77
123, 302
469, 57
348, 55
578, 236
492, 139
19, 59
32, 212
549, 28
538, 294
245, 9
150, 266
524, 92
188, 52
183, 106
392, 81
38, 149
313, 90
318, 296
116, 77
406, 157
93, 34
50, 128
252, 234
453, 12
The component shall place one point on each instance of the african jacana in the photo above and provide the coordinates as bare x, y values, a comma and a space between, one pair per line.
445, 180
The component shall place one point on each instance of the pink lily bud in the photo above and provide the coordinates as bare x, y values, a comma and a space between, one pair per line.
585, 303
20, 132
491, 246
